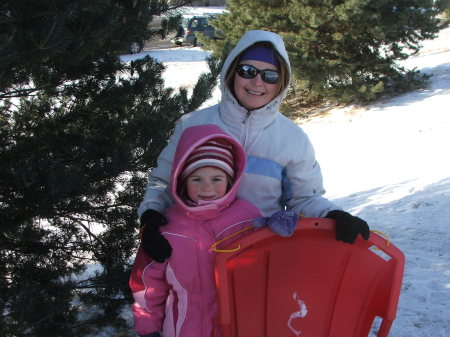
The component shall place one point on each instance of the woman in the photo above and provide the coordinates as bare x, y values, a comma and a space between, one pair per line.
281, 172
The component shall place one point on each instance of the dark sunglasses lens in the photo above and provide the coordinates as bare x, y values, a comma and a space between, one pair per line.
270, 76
246, 71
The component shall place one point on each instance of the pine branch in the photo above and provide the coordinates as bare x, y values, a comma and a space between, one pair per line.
88, 231
20, 92
25, 18
41, 45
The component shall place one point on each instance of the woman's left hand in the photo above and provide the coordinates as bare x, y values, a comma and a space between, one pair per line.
348, 226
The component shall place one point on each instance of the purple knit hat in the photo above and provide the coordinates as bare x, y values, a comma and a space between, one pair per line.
260, 53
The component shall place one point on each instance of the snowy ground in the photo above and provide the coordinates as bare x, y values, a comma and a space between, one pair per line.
389, 163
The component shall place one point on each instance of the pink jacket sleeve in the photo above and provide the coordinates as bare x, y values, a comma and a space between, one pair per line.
149, 287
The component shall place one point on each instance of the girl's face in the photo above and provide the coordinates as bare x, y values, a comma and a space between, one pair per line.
254, 93
206, 183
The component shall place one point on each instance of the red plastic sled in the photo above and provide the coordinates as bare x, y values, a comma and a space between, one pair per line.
308, 285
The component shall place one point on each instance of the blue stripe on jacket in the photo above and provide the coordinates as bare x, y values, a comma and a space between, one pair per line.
268, 168
264, 167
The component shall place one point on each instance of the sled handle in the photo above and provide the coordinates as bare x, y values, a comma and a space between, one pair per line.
214, 249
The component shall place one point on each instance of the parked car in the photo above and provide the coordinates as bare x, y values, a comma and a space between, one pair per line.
198, 24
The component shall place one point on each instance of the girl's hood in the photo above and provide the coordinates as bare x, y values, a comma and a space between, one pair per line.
190, 139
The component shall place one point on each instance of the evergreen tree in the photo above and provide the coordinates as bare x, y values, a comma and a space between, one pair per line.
340, 50
78, 131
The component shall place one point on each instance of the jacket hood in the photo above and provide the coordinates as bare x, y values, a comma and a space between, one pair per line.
190, 139
250, 38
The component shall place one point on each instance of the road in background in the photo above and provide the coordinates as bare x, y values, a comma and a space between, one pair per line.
159, 44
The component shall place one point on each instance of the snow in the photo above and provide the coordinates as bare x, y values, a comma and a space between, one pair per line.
388, 163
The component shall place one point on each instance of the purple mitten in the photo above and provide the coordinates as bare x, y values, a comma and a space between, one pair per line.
260, 222
282, 222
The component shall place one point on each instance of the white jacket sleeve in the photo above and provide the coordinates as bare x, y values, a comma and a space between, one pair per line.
157, 196
305, 181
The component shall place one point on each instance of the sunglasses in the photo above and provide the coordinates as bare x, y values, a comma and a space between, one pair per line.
247, 71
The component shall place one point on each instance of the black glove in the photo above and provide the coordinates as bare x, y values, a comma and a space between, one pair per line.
348, 226
154, 243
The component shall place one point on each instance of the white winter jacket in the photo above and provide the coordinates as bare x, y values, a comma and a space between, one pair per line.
281, 167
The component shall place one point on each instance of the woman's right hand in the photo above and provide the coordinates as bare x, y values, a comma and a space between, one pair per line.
153, 242
282, 222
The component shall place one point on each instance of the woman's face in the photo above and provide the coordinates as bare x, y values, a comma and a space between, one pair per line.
254, 93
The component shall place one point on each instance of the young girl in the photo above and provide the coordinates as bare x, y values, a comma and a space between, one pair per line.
282, 171
178, 297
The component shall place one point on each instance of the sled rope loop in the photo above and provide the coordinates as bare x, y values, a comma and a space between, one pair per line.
214, 246
388, 240
215, 249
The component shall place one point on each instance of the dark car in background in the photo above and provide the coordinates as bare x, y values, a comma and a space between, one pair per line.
192, 26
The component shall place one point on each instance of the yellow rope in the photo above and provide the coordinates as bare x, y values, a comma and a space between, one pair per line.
213, 247
383, 235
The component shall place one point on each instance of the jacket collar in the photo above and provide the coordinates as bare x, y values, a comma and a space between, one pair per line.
234, 115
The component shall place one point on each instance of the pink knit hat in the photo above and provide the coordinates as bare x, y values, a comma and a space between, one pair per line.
215, 153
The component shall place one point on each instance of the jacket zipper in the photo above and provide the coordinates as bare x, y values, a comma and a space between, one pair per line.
245, 126
247, 116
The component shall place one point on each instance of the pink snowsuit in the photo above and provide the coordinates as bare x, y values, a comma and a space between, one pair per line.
178, 297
